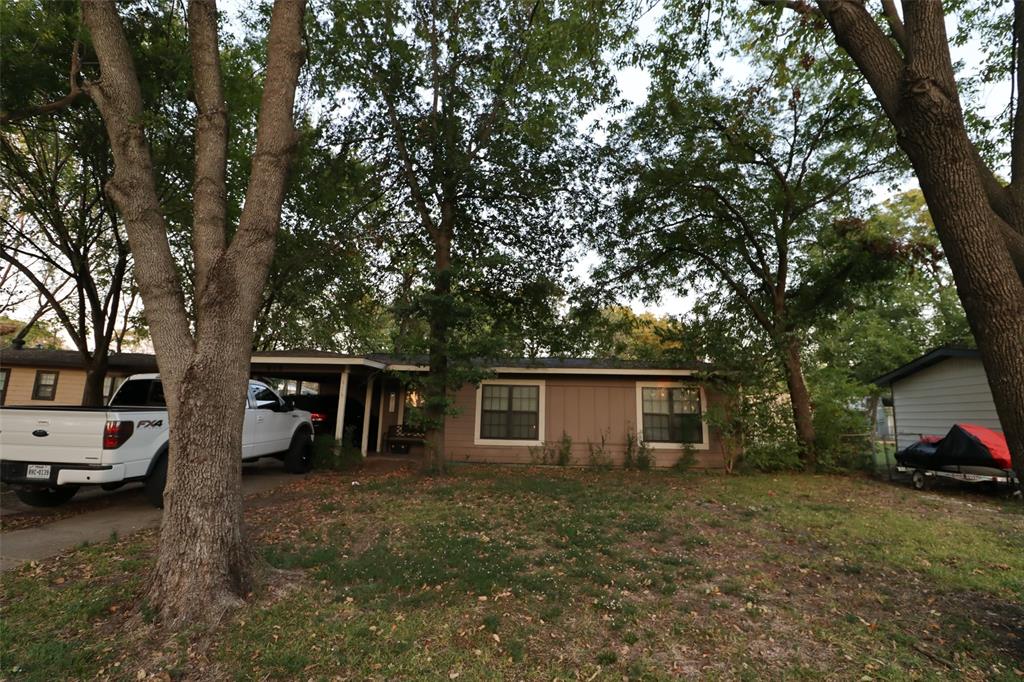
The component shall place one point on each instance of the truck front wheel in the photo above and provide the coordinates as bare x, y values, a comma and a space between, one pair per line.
46, 497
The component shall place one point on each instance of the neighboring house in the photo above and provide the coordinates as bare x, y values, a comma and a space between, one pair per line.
937, 390
522, 405
39, 376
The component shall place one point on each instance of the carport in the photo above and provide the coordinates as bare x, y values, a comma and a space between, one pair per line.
362, 398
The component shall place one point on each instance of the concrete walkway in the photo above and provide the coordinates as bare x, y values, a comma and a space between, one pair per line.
127, 512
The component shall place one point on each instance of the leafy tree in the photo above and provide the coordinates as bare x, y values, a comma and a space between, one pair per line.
61, 233
745, 194
957, 153
469, 115
204, 565
617, 331
41, 334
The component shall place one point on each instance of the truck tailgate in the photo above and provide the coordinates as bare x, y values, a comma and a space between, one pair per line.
52, 435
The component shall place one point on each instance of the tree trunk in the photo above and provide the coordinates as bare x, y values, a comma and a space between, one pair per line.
95, 374
975, 216
436, 407
986, 279
203, 567
800, 400
204, 563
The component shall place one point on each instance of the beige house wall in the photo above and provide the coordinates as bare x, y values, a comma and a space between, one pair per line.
584, 408
70, 385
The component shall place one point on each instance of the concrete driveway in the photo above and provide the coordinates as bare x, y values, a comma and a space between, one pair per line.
102, 514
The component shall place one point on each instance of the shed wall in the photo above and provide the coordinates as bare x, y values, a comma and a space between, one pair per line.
932, 400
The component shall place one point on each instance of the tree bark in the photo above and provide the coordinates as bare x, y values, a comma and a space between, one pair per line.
436, 408
204, 565
95, 374
979, 222
800, 401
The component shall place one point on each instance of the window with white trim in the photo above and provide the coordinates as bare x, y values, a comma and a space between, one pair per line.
672, 415
510, 412
45, 386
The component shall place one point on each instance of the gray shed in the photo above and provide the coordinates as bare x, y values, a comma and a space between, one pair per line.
941, 388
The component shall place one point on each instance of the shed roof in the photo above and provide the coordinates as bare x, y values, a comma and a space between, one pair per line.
927, 360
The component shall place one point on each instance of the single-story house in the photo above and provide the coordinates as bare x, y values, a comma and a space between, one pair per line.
937, 390
521, 406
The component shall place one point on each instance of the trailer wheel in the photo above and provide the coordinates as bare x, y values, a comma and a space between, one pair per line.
919, 480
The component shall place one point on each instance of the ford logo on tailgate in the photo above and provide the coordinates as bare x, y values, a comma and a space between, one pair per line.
40, 433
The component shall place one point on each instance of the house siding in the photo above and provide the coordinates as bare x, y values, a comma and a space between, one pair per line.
933, 399
70, 385
584, 408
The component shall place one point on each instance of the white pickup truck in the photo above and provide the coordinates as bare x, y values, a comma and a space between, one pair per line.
47, 453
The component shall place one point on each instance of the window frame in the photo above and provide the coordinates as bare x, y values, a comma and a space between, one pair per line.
515, 442
36, 384
6, 373
705, 443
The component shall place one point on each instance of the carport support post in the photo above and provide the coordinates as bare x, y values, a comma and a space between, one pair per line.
339, 423
364, 446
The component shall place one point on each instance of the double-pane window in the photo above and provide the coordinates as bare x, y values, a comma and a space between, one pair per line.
510, 412
45, 387
672, 415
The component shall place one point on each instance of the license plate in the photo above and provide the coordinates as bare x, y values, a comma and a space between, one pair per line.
37, 471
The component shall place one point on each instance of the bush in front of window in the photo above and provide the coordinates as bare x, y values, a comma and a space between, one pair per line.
638, 454
687, 460
557, 453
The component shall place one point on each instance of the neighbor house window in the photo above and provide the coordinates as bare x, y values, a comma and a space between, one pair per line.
45, 387
5, 375
672, 415
510, 412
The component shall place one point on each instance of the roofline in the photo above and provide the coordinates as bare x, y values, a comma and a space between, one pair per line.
642, 371
923, 362
317, 360
344, 362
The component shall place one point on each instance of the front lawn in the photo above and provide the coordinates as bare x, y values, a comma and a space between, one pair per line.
553, 574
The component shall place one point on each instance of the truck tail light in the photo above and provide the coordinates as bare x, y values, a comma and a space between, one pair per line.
116, 433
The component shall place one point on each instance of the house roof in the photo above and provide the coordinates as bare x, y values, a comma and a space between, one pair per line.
46, 357
145, 362
927, 360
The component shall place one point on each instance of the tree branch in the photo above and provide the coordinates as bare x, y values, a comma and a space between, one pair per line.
899, 33
252, 248
209, 200
1017, 130
74, 91
133, 186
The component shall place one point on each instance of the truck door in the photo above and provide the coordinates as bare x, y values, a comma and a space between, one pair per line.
272, 428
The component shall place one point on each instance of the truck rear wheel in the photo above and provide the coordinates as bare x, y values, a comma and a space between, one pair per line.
156, 483
46, 497
299, 458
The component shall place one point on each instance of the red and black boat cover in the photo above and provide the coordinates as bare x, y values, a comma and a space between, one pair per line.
964, 445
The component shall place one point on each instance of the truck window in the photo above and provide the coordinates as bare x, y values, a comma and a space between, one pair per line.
263, 397
139, 393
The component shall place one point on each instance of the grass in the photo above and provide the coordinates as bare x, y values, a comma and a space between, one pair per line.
554, 574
